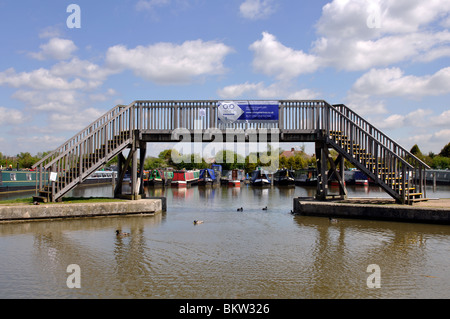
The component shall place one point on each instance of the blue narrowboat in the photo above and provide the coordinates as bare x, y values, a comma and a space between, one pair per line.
18, 180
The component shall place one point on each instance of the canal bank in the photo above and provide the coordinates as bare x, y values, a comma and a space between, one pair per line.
20, 213
432, 211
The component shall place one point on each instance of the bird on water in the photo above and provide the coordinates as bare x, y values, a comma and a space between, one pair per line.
240, 209
121, 234
332, 220
197, 222
265, 208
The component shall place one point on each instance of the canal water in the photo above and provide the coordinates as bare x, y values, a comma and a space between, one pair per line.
255, 253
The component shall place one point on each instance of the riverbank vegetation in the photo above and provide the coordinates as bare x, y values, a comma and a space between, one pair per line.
294, 159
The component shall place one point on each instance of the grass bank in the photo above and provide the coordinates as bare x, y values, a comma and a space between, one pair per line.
65, 200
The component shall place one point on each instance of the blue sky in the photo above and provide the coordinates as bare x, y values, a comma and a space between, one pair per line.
386, 59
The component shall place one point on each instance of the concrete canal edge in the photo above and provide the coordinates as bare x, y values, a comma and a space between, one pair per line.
434, 213
21, 213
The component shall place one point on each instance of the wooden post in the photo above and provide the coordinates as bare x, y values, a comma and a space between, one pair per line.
143, 150
134, 190
322, 179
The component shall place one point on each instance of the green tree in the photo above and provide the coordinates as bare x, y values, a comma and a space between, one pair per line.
26, 160
151, 163
415, 150
229, 160
441, 162
445, 152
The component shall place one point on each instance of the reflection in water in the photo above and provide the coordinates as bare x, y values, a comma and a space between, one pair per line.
250, 254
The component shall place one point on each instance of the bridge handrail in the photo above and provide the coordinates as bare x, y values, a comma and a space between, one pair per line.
351, 122
81, 135
91, 134
383, 135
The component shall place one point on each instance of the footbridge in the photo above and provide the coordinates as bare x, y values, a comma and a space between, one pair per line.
131, 127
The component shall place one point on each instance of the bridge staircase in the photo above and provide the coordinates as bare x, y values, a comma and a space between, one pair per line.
75, 160
385, 162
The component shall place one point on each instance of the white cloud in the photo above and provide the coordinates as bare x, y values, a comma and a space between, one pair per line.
40, 79
82, 69
442, 119
274, 59
392, 82
427, 141
39, 143
74, 120
167, 63
415, 119
50, 101
277, 90
150, 4
103, 96
357, 54
363, 104
50, 32
256, 9
349, 19
348, 42
11, 116
56, 48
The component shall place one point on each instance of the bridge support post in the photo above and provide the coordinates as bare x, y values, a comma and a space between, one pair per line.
142, 153
322, 176
323, 159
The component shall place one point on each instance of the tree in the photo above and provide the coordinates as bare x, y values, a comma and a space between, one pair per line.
153, 163
415, 150
445, 152
441, 162
25, 160
229, 159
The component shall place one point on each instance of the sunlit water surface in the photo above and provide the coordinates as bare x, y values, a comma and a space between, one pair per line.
251, 254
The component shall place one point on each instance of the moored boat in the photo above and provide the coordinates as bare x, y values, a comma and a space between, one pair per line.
284, 177
306, 177
18, 180
260, 179
160, 178
360, 178
236, 177
185, 178
100, 177
207, 177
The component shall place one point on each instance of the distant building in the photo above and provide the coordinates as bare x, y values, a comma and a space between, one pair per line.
290, 153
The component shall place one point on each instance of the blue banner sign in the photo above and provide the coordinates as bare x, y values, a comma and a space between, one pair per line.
248, 111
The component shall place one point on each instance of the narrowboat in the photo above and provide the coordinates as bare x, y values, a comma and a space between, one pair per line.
260, 179
185, 178
237, 176
306, 177
100, 177
233, 178
207, 177
284, 177
147, 177
159, 178
19, 180
360, 178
